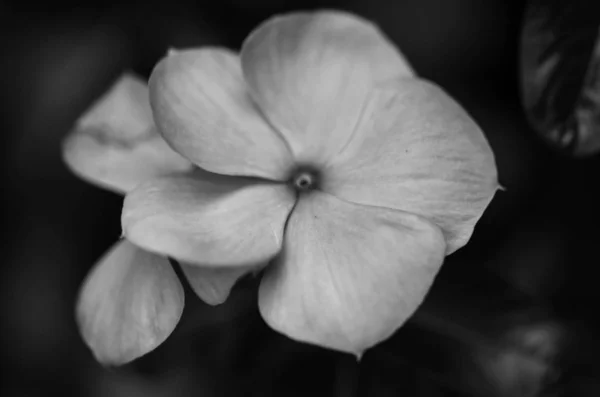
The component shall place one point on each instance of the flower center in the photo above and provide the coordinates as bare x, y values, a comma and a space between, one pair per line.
304, 179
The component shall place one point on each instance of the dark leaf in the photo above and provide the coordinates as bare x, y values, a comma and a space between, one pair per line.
560, 73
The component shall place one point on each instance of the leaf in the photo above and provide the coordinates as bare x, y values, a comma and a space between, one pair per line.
560, 73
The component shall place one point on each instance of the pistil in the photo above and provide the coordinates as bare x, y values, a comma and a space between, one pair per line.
304, 179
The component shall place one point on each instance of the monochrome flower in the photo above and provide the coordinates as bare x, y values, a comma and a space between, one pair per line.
315, 151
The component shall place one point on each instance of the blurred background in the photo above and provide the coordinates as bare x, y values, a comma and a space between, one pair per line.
514, 313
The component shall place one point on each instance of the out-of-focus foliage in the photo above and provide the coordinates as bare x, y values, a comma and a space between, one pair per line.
560, 73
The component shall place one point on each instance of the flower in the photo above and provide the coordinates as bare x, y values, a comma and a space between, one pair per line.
316, 150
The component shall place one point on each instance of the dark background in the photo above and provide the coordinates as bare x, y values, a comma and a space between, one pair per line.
514, 313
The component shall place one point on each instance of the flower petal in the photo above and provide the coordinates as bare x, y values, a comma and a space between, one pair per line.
418, 151
212, 285
349, 275
203, 110
115, 144
129, 304
309, 73
208, 218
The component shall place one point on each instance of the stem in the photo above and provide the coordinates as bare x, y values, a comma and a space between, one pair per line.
346, 376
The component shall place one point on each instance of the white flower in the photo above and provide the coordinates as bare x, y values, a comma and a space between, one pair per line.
318, 147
